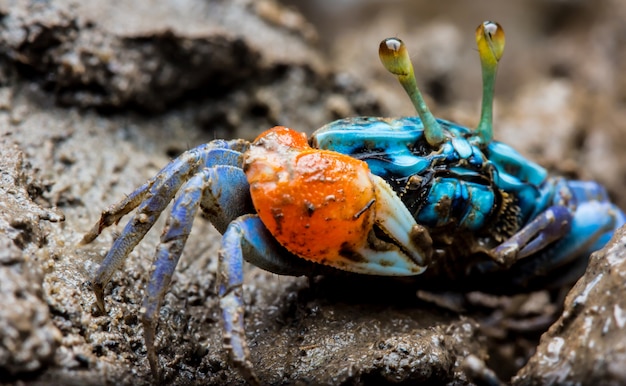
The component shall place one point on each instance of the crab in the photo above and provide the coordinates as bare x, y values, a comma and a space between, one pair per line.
375, 196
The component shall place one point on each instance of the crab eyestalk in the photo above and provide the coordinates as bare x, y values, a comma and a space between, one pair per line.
490, 40
394, 56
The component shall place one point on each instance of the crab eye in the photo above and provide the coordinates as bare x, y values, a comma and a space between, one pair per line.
490, 41
394, 56
392, 44
490, 28
392, 52
492, 34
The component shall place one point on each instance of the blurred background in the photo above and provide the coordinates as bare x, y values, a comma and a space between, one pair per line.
544, 38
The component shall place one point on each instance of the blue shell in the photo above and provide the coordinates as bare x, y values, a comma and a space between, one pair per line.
456, 185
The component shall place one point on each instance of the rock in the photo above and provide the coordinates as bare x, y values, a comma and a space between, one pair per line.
587, 344
28, 338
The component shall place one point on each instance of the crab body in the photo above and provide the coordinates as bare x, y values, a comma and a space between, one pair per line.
475, 201
456, 185
393, 197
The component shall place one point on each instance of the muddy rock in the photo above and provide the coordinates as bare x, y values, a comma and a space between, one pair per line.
78, 52
587, 344
153, 55
28, 338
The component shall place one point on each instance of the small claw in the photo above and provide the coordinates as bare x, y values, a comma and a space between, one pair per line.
490, 40
551, 225
394, 56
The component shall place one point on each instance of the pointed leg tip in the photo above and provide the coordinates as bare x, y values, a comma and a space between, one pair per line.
248, 373
154, 369
85, 240
91, 235
99, 292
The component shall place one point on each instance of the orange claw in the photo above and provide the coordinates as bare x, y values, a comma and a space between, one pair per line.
317, 203
328, 208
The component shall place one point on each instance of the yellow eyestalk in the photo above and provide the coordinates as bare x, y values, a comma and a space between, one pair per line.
394, 56
490, 40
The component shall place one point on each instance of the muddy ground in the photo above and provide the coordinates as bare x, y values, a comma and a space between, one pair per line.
96, 97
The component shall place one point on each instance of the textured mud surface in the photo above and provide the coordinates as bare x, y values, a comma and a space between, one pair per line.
96, 98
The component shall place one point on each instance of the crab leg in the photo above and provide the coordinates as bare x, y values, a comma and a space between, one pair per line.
561, 233
226, 196
592, 226
173, 239
209, 182
160, 190
115, 212
243, 237
248, 238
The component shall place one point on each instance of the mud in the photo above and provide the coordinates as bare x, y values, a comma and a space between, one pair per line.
95, 98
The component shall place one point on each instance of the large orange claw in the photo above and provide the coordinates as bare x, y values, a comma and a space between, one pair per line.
328, 208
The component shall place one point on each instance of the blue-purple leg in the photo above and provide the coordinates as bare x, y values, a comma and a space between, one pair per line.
247, 238
168, 253
230, 282
152, 198
557, 238
212, 151
564, 261
177, 229
226, 197
595, 221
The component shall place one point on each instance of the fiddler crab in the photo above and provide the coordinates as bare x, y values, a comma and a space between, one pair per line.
374, 196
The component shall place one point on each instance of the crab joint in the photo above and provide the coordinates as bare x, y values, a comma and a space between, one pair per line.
328, 208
